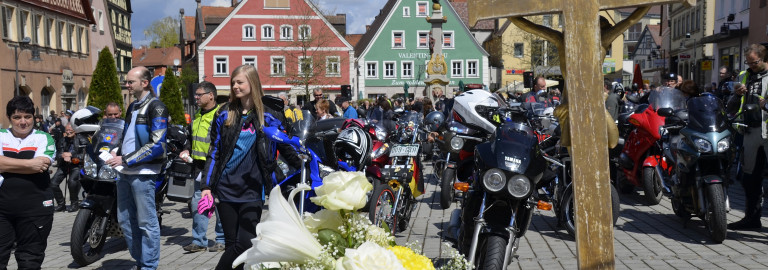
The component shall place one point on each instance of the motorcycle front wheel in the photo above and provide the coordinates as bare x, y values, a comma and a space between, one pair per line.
86, 242
380, 211
568, 209
652, 185
491, 254
715, 216
446, 188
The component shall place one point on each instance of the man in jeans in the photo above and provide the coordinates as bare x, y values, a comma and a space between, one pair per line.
139, 161
205, 97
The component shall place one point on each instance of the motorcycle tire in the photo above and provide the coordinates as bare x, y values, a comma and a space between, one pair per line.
568, 210
715, 217
374, 182
624, 186
380, 209
82, 238
446, 188
491, 255
652, 186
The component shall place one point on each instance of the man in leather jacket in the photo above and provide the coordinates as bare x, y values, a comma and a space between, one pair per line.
139, 161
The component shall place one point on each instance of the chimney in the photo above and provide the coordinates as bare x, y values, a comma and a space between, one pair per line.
199, 5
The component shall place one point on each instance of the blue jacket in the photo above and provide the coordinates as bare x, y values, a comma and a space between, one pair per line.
350, 112
151, 126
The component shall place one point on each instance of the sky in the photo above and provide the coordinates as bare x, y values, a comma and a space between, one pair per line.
359, 13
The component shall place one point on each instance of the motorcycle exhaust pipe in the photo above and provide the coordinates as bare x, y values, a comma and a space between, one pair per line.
479, 224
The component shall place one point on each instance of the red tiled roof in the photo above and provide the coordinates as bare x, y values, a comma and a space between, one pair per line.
654, 29
189, 27
460, 6
353, 39
152, 57
218, 13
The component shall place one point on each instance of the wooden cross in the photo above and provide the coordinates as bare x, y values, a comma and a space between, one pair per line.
582, 47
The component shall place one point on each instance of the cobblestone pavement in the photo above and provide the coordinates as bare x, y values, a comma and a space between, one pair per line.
646, 237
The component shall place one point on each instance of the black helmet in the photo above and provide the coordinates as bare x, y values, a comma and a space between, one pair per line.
669, 76
353, 145
433, 120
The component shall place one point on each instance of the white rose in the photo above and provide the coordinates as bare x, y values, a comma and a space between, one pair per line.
370, 256
323, 219
343, 191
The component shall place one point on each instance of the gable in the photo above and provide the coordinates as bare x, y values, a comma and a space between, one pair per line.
257, 14
391, 19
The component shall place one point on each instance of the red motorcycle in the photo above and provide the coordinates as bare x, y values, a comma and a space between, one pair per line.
642, 159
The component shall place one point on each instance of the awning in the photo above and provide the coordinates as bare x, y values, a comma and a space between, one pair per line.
732, 34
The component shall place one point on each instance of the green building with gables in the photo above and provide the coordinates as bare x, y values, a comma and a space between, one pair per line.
396, 48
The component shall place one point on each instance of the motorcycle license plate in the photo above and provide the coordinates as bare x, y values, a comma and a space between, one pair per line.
404, 150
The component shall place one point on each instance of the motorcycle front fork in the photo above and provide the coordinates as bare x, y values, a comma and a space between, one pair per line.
480, 223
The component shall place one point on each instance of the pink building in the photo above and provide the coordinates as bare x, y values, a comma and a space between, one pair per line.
290, 43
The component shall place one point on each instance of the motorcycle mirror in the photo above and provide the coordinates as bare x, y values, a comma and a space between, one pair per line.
666, 112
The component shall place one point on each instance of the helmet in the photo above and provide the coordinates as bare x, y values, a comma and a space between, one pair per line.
669, 76
466, 104
351, 122
353, 145
86, 119
434, 120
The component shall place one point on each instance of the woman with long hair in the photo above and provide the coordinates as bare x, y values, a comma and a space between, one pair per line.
238, 165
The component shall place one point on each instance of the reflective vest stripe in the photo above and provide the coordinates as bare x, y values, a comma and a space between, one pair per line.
201, 128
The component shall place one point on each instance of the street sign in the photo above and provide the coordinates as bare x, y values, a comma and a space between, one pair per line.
684, 56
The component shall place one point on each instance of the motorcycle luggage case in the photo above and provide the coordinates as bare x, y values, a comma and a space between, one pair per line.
181, 185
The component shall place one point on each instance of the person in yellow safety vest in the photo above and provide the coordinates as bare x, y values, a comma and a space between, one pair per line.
752, 88
292, 114
205, 97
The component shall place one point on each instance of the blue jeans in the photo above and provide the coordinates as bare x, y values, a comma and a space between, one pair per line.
200, 222
138, 218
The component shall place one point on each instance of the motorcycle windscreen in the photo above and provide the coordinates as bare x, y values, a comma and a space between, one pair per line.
706, 114
411, 118
108, 136
515, 145
667, 97
303, 125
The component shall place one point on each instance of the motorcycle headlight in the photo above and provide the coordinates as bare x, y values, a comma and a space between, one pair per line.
519, 186
457, 143
383, 150
723, 145
90, 167
381, 134
107, 173
702, 145
494, 180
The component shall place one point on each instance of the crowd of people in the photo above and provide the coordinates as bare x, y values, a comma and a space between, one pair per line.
234, 163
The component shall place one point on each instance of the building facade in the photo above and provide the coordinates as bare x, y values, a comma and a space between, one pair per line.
759, 21
101, 32
58, 78
648, 56
294, 48
690, 57
120, 22
396, 48
729, 38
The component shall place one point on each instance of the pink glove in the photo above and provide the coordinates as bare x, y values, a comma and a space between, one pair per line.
206, 204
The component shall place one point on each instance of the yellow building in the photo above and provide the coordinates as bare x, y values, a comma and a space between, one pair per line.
516, 51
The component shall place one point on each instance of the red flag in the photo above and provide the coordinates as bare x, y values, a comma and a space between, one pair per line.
638, 76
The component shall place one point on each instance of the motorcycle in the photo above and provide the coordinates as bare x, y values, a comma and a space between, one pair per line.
641, 161
96, 219
498, 207
394, 198
698, 140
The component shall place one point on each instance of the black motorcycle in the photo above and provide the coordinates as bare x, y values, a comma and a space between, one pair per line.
498, 207
96, 219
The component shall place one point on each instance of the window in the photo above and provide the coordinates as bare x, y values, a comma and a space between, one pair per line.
305, 32
448, 39
36, 31
472, 68
423, 40
278, 66
456, 69
282, 4
249, 60
286, 32
519, 50
8, 22
24, 24
397, 40
389, 70
371, 70
48, 32
60, 36
71, 37
332, 66
267, 32
221, 64
406, 11
79, 38
249, 32
406, 68
305, 65
421, 9
101, 20
547, 20
609, 52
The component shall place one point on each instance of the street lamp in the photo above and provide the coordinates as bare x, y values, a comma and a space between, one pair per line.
35, 58
725, 30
